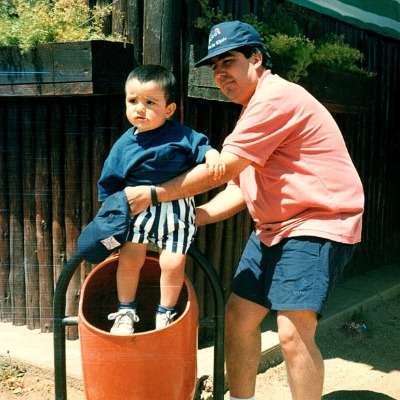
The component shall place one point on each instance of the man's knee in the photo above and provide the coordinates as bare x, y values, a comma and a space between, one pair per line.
296, 328
244, 314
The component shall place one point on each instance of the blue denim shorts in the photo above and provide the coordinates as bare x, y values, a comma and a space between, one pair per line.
296, 274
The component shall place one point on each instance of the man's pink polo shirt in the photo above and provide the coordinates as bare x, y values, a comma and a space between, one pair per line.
302, 181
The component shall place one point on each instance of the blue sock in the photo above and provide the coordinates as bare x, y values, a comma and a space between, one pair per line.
127, 306
163, 310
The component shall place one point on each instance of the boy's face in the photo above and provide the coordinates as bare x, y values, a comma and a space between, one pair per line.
146, 106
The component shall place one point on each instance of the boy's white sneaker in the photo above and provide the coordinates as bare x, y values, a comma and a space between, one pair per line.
124, 321
165, 319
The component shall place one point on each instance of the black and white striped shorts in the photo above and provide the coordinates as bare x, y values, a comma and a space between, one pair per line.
170, 225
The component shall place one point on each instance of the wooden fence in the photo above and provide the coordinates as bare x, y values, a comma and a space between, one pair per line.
52, 150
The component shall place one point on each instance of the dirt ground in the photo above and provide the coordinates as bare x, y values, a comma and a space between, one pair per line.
359, 364
362, 362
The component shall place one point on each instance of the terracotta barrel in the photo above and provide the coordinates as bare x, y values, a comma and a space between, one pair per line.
149, 364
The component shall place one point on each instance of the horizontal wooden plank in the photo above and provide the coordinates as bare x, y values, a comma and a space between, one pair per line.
201, 82
335, 108
63, 89
35, 66
46, 89
70, 68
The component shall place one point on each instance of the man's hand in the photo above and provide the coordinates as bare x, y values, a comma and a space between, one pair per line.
139, 198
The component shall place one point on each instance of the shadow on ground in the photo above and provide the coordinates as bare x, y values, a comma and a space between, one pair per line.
356, 395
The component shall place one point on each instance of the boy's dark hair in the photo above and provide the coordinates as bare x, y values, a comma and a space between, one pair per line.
248, 51
157, 73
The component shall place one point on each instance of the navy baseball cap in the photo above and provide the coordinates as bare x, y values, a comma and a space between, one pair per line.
108, 230
228, 36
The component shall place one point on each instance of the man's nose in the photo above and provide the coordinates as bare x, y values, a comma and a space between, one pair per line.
219, 74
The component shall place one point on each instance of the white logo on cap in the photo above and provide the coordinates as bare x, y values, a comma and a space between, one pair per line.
216, 32
110, 243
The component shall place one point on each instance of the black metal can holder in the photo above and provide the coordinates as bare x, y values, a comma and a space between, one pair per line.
61, 322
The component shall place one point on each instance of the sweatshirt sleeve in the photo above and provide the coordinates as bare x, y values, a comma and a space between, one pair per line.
112, 178
200, 146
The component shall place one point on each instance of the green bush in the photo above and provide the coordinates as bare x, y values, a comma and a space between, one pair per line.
335, 53
298, 49
283, 37
26, 23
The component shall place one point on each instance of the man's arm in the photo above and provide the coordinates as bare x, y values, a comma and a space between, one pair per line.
225, 204
193, 182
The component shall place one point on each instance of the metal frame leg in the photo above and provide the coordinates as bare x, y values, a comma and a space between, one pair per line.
59, 304
219, 339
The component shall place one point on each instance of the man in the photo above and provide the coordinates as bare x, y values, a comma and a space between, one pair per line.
287, 162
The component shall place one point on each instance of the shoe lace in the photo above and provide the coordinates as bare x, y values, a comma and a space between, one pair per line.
169, 317
124, 317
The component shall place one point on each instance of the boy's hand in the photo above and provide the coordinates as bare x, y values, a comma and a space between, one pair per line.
215, 165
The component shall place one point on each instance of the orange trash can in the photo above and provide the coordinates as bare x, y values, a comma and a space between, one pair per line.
148, 365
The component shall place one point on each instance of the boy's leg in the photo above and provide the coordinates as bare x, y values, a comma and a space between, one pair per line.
171, 281
131, 260
172, 276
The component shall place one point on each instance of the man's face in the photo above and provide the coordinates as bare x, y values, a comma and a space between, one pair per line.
236, 75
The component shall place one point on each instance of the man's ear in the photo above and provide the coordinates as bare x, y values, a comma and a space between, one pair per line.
169, 111
258, 62
257, 58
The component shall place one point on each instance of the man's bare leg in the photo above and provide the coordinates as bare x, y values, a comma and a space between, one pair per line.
304, 363
243, 345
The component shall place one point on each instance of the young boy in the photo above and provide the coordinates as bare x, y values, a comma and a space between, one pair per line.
153, 151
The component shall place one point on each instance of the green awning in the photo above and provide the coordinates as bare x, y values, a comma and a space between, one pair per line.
379, 16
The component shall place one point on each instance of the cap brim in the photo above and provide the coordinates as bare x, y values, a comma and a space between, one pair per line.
206, 59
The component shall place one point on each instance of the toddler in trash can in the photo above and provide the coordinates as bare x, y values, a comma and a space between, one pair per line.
154, 150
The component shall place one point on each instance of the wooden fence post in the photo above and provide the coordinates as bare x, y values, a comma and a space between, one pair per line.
162, 36
57, 186
5, 292
134, 29
14, 168
28, 120
43, 219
